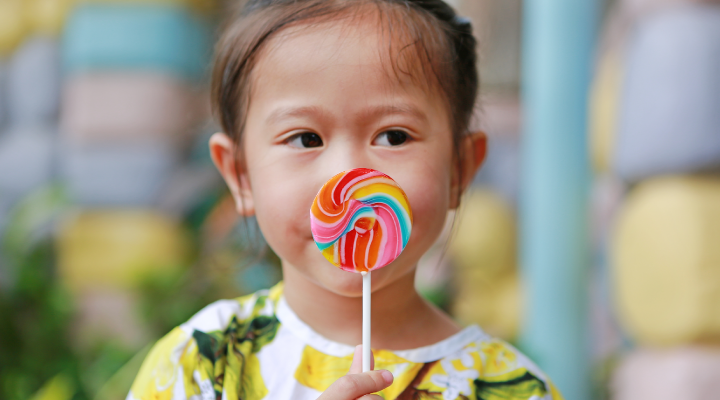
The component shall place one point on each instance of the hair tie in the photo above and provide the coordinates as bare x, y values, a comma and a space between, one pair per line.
460, 20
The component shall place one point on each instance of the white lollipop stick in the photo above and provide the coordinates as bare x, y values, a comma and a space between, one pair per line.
366, 348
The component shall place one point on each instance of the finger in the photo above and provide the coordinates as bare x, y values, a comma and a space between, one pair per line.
356, 366
371, 397
352, 386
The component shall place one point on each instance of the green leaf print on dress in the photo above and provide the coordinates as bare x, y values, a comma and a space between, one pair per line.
229, 356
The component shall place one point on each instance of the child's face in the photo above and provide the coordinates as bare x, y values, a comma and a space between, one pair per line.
323, 102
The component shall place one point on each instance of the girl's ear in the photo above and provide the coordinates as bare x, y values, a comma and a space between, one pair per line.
473, 149
223, 151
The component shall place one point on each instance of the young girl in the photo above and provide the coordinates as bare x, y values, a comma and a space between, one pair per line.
306, 89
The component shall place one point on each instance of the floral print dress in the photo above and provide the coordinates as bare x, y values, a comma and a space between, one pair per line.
255, 347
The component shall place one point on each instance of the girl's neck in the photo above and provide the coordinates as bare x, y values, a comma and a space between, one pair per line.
401, 318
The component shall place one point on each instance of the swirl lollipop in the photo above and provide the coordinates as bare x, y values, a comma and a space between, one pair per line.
361, 221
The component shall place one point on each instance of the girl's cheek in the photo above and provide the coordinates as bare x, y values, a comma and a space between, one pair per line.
285, 210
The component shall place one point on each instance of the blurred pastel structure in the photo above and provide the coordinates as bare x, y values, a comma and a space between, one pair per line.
104, 256
483, 251
3, 100
670, 114
33, 82
666, 261
30, 82
13, 26
114, 249
687, 372
136, 37
20, 19
129, 101
101, 104
128, 107
656, 127
604, 109
47, 17
116, 175
130, 104
200, 6
28, 150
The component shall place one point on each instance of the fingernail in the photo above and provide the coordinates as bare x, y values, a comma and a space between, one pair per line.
387, 376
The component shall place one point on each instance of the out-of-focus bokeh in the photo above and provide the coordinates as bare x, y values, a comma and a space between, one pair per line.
115, 226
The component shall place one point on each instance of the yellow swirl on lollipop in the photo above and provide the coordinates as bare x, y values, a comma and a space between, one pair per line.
361, 220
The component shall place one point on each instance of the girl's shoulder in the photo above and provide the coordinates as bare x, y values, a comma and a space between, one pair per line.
221, 315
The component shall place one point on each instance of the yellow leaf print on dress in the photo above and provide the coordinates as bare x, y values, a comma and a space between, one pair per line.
318, 370
160, 371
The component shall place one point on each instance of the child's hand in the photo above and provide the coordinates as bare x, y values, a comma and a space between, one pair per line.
357, 384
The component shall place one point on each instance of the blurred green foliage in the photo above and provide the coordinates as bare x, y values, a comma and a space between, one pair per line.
35, 311
40, 356
35, 315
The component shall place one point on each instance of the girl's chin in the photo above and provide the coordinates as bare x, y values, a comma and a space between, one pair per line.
344, 283
349, 284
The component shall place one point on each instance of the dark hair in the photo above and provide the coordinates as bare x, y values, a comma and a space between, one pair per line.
442, 41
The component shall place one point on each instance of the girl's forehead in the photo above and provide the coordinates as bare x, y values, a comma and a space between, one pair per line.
364, 40
337, 72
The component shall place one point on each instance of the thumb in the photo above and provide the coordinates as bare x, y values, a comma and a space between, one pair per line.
356, 366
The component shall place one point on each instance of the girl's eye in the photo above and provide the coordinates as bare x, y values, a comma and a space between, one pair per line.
391, 138
305, 140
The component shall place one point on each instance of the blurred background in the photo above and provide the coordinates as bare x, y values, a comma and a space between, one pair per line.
590, 239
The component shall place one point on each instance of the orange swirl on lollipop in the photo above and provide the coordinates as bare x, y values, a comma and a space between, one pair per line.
361, 220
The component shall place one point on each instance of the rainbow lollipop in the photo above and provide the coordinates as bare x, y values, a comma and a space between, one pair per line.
361, 221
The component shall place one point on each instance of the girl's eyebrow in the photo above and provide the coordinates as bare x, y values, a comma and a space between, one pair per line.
284, 113
368, 114
390, 109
